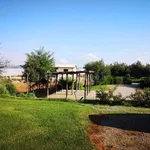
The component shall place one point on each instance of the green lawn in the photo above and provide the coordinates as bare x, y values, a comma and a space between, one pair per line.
45, 125
105, 87
98, 87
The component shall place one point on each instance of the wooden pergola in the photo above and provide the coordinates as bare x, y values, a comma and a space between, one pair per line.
76, 76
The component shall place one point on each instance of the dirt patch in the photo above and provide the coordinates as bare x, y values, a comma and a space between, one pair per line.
20, 86
107, 134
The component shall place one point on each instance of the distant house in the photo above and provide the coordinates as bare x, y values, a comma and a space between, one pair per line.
66, 68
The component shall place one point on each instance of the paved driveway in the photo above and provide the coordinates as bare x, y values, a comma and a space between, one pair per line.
126, 90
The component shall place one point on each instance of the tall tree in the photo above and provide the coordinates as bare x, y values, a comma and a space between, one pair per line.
99, 68
37, 64
3, 63
119, 69
137, 69
147, 70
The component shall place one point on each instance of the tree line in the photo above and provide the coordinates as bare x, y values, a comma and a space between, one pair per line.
117, 70
39, 61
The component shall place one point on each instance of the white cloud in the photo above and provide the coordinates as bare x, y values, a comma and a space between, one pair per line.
92, 56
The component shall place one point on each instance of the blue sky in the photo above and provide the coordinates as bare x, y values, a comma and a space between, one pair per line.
76, 31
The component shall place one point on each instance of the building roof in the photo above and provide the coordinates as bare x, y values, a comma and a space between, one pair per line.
66, 66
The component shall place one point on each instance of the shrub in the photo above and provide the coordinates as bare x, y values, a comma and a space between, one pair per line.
141, 98
108, 98
118, 80
11, 89
29, 95
3, 90
145, 83
127, 79
108, 80
103, 97
118, 99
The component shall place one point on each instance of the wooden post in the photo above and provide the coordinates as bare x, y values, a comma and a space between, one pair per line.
90, 83
62, 82
87, 83
47, 88
50, 84
76, 82
66, 85
85, 86
91, 80
27, 83
56, 83
72, 88
79, 82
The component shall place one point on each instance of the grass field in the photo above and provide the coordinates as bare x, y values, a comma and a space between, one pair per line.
105, 87
99, 87
34, 124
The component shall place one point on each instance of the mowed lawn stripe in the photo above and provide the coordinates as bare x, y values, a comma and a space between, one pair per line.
43, 125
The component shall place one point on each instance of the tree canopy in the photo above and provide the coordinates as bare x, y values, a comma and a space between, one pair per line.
99, 68
110, 72
37, 64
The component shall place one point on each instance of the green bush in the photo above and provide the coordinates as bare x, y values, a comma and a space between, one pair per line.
104, 97
141, 98
118, 80
145, 83
3, 90
29, 95
108, 98
11, 89
108, 80
127, 79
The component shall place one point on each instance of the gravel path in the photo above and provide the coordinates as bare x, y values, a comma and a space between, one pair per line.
126, 90
76, 95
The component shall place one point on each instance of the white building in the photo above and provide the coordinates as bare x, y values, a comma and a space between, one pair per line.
66, 68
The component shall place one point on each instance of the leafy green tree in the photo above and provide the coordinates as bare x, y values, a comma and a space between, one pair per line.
137, 69
147, 70
100, 70
37, 64
119, 69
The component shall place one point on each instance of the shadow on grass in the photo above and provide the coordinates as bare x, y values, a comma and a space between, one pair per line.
133, 122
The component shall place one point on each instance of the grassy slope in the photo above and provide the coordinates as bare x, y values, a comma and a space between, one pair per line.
45, 125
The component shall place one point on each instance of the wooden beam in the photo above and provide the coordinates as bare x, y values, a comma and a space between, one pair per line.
50, 85
72, 86
87, 76
47, 89
76, 82
66, 85
56, 83
85, 86
62, 82
79, 82
90, 83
